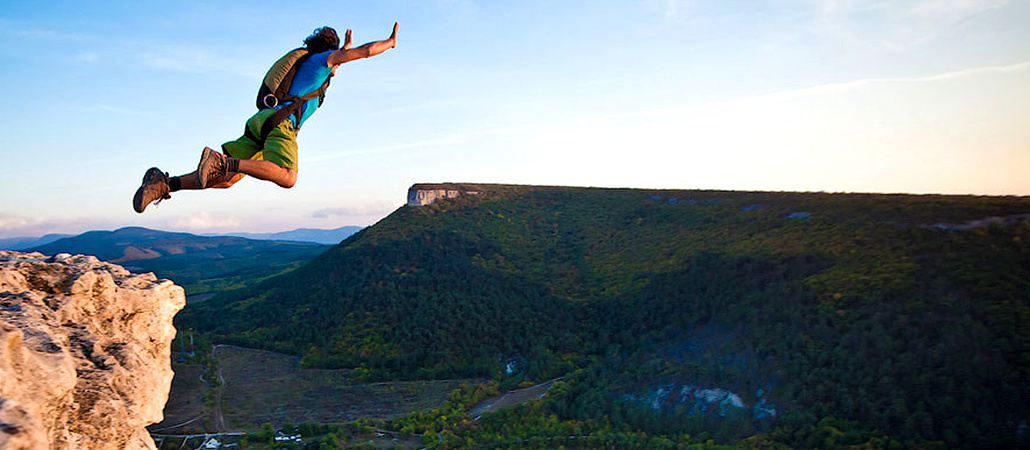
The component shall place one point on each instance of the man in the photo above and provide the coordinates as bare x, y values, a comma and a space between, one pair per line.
272, 156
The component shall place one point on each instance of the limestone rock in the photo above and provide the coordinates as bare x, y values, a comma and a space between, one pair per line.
85, 350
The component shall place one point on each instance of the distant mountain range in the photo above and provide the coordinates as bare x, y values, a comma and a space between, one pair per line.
317, 235
198, 263
24, 242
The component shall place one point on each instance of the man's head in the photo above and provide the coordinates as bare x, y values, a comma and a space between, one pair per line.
322, 39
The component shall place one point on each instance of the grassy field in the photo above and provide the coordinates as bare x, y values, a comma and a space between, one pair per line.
258, 386
184, 411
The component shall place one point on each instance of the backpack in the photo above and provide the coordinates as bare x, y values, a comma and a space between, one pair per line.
275, 90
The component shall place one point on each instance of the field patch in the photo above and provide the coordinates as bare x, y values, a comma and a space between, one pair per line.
260, 386
184, 411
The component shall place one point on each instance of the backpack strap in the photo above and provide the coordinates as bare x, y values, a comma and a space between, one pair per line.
279, 78
296, 104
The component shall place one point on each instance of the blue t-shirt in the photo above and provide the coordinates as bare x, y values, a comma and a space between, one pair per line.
311, 74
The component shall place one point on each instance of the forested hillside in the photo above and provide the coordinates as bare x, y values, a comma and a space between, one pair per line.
799, 319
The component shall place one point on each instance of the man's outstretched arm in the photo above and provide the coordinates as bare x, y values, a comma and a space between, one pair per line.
346, 53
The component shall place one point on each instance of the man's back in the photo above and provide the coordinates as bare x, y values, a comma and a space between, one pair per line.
311, 74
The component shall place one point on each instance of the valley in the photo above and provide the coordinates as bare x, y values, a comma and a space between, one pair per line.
667, 318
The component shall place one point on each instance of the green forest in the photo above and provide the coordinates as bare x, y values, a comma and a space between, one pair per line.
675, 318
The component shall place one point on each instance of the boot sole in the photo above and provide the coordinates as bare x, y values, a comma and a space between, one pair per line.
204, 166
137, 200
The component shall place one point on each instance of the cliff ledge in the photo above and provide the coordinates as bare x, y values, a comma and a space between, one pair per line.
84, 352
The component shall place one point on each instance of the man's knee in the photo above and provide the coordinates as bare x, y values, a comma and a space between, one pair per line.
289, 180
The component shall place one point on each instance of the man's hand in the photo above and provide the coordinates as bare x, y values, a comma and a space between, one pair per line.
345, 53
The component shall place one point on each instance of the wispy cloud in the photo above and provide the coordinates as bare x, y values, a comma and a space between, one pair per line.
12, 29
672, 8
166, 56
12, 222
205, 222
370, 209
823, 89
946, 76
87, 57
13, 225
895, 24
180, 59
198, 58
103, 108
449, 139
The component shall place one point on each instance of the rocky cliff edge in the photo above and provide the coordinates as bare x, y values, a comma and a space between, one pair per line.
84, 352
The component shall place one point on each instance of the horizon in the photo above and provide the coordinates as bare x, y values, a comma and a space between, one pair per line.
904, 96
276, 231
199, 234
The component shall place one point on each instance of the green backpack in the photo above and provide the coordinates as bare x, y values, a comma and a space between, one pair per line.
275, 90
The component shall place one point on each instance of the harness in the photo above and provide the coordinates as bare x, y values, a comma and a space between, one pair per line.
275, 91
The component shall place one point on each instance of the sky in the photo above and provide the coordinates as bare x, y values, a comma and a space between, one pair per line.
899, 96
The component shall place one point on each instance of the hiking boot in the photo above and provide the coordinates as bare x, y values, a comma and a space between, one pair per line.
212, 168
153, 189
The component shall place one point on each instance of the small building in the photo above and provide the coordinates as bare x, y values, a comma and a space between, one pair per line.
283, 436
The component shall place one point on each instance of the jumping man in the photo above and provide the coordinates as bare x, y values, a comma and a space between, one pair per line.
267, 151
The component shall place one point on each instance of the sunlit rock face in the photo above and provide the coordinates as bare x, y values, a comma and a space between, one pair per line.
423, 194
84, 352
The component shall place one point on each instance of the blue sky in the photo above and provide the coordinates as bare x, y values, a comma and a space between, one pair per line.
918, 96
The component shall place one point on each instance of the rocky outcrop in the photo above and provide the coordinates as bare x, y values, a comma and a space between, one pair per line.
84, 352
426, 194
423, 194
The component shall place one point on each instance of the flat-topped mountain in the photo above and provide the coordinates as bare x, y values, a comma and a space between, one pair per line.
715, 313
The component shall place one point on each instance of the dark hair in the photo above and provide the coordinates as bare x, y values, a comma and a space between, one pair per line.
322, 39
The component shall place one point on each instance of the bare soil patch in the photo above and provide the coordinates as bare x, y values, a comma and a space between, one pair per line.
512, 398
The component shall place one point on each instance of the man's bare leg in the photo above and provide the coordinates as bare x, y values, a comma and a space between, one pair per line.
269, 171
215, 167
262, 170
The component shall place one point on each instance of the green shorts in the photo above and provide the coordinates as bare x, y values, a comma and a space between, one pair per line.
280, 146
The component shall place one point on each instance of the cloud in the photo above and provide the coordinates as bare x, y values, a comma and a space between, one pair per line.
369, 209
102, 108
205, 222
895, 24
827, 89
449, 139
198, 58
87, 57
11, 29
946, 76
12, 225
671, 9
527, 128
10, 222
180, 59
